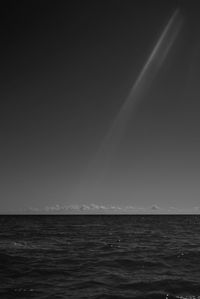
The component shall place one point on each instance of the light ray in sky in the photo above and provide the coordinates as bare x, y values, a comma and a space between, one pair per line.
140, 87
99, 165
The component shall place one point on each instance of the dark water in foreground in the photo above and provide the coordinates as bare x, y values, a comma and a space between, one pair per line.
99, 257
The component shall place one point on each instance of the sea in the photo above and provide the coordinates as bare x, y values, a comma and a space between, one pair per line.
100, 256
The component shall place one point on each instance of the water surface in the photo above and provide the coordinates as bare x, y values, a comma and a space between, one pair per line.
97, 257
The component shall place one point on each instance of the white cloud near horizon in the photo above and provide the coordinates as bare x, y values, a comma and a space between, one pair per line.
94, 208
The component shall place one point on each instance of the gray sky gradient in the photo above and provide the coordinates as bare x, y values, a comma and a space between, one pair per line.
67, 71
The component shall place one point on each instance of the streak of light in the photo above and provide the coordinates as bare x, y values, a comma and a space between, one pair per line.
100, 163
140, 87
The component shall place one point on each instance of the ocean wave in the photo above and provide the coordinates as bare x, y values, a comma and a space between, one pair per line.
114, 259
153, 295
174, 286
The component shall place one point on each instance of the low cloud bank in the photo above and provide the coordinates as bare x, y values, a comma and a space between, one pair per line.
111, 209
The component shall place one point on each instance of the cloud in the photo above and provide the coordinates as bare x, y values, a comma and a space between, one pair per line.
129, 208
95, 207
155, 208
174, 210
72, 207
85, 208
79, 208
110, 209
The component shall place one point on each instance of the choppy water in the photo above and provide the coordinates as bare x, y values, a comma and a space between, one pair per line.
99, 257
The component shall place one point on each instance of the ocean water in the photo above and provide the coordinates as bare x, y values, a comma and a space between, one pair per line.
100, 257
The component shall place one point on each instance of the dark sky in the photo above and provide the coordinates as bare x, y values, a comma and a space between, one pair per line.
67, 68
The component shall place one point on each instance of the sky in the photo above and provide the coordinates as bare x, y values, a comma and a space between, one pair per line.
67, 69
